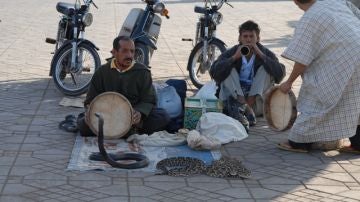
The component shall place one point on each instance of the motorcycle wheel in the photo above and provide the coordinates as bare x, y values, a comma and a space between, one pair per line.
142, 54
198, 70
75, 81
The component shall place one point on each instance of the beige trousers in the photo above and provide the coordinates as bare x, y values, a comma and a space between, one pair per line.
262, 82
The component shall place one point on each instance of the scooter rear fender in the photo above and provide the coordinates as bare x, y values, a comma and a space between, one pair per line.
146, 41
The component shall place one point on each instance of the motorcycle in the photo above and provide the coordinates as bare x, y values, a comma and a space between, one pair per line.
207, 47
143, 26
75, 58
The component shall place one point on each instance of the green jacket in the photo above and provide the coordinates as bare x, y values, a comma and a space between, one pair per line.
135, 84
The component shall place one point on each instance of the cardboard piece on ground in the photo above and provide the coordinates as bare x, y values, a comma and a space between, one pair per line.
72, 102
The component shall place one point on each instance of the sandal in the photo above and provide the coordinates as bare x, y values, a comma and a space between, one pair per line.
349, 149
286, 146
70, 118
69, 124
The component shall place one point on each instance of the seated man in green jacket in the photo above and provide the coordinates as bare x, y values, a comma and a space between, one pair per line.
132, 80
244, 74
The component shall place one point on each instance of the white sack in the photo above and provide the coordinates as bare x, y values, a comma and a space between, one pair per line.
222, 127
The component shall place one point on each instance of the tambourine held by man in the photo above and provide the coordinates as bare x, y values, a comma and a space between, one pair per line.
280, 109
116, 111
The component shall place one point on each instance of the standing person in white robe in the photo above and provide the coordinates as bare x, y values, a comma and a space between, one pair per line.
326, 52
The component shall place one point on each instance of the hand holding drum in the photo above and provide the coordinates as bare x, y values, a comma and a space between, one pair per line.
136, 117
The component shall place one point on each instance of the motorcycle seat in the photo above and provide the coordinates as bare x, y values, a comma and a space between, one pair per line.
65, 8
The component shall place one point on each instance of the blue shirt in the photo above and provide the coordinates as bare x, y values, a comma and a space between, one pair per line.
246, 74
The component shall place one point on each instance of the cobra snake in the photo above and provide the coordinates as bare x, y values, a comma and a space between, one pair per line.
141, 161
225, 167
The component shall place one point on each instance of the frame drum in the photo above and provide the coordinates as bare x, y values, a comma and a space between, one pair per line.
280, 109
116, 111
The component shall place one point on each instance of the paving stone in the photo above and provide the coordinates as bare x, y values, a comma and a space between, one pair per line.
322, 181
180, 198
4, 170
23, 171
235, 193
356, 176
281, 199
244, 200
355, 194
45, 176
17, 189
140, 199
209, 186
191, 200
91, 176
279, 181
166, 186
342, 177
92, 184
142, 191
170, 194
350, 200
163, 178
328, 189
171, 200
4, 198
206, 179
351, 168
138, 174
10, 147
290, 197
136, 183
52, 200
260, 193
7, 160
284, 188
226, 198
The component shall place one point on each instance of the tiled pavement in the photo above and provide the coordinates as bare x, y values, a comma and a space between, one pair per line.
34, 152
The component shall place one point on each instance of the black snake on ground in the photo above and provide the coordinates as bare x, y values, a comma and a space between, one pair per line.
140, 161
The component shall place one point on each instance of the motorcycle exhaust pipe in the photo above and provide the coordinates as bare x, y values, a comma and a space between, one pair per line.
245, 50
50, 41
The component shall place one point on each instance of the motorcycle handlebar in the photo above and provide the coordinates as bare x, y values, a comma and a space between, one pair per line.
88, 2
220, 4
94, 4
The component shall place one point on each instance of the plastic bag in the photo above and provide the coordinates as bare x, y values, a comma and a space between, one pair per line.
207, 91
200, 142
222, 127
168, 99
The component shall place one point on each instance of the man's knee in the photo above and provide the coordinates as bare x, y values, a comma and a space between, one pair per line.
157, 120
162, 116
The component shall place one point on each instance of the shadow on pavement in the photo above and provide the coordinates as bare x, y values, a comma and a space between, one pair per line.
281, 172
280, 42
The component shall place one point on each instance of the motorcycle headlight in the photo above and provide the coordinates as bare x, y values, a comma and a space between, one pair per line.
87, 19
159, 7
217, 18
